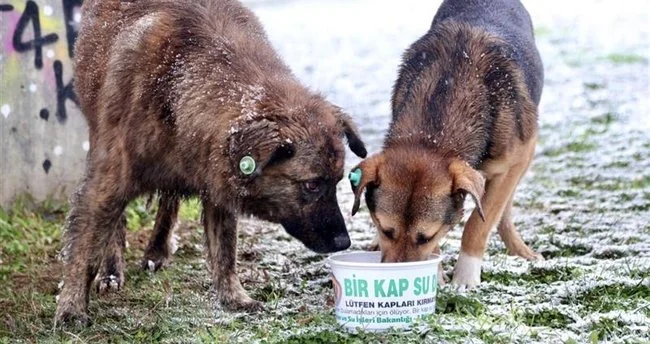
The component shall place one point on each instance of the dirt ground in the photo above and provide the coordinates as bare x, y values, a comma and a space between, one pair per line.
584, 205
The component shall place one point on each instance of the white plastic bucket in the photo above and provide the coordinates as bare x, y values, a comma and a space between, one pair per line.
375, 296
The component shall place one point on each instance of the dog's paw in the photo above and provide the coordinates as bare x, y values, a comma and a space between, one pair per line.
525, 252
110, 283
467, 273
242, 303
70, 313
153, 263
156, 258
110, 277
531, 255
71, 319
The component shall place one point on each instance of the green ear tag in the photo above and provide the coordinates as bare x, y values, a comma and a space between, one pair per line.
355, 177
247, 165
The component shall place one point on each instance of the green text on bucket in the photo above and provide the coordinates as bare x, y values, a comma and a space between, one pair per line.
356, 287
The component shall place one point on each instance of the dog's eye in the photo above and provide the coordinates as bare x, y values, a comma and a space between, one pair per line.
389, 233
422, 240
312, 186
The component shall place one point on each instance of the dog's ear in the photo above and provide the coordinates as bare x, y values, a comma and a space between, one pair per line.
364, 174
466, 180
352, 134
256, 145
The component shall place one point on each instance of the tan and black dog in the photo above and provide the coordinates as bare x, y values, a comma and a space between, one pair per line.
464, 123
189, 98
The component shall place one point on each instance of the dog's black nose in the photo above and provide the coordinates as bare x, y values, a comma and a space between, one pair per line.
342, 242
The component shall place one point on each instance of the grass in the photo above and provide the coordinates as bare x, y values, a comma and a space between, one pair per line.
618, 58
542, 31
552, 318
534, 276
174, 304
606, 329
567, 250
603, 299
575, 147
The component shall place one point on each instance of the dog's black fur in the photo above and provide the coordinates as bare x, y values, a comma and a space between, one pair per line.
509, 20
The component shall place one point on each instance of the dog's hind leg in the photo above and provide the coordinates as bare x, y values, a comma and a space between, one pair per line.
161, 245
514, 243
111, 271
96, 208
221, 241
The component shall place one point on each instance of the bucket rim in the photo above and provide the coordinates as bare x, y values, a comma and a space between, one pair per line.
333, 262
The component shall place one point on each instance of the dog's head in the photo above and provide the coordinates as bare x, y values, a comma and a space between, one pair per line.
290, 166
414, 199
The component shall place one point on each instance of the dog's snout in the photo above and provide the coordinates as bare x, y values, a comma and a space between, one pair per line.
342, 242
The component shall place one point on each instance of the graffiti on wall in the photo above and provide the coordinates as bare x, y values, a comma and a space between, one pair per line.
37, 46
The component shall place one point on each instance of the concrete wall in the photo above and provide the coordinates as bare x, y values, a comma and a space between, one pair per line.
43, 139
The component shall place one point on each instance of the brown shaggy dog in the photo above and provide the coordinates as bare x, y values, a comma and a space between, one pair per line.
189, 98
464, 123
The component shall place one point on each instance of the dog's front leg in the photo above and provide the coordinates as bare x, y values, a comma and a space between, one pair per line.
221, 240
94, 217
467, 272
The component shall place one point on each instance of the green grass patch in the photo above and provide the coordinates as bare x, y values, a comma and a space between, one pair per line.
604, 119
576, 147
450, 302
542, 31
534, 276
567, 250
641, 183
580, 147
603, 299
605, 329
626, 58
614, 184
594, 86
618, 164
568, 193
141, 213
612, 254
552, 318
29, 233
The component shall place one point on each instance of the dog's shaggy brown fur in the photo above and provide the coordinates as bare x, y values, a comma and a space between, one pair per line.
464, 123
175, 95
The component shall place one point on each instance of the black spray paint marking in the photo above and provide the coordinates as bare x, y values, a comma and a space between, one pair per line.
44, 114
31, 15
47, 164
70, 25
63, 93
